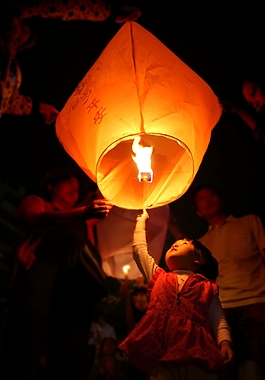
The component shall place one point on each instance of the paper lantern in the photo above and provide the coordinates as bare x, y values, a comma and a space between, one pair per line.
115, 234
138, 87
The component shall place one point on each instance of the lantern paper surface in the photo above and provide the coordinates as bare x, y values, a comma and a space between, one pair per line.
115, 234
138, 87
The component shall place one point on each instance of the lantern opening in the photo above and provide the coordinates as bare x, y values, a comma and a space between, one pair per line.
142, 159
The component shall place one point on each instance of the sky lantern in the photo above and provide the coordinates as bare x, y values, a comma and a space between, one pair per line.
139, 97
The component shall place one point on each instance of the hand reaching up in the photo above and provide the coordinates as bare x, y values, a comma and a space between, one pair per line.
141, 220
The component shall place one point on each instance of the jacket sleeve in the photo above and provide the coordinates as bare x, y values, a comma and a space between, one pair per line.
144, 261
219, 325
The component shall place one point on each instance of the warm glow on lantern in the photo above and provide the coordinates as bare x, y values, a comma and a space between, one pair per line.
138, 87
142, 159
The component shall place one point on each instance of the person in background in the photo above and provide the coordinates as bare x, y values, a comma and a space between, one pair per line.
253, 112
57, 282
239, 246
136, 304
94, 343
106, 330
99, 330
109, 365
184, 334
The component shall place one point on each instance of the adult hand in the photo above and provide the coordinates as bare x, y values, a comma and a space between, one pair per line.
98, 209
228, 106
89, 198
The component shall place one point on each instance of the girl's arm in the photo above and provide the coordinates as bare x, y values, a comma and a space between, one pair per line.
144, 261
221, 330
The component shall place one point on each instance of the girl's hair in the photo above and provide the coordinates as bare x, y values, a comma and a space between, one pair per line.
57, 175
210, 267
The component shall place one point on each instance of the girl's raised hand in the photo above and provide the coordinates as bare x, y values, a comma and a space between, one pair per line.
141, 220
142, 217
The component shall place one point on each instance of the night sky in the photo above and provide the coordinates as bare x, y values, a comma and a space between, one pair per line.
219, 40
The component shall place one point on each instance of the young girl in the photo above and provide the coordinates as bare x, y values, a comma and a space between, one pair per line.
184, 334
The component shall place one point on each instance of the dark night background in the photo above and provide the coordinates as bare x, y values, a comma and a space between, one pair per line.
219, 40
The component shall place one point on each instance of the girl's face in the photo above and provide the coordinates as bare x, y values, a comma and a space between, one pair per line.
66, 192
254, 95
182, 255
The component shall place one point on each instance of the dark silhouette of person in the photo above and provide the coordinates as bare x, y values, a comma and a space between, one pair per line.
57, 282
238, 244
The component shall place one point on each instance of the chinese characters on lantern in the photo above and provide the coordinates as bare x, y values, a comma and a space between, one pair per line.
84, 94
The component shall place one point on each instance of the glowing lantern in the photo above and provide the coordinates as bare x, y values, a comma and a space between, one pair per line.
139, 88
115, 235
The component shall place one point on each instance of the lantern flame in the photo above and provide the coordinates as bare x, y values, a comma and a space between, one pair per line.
142, 159
125, 269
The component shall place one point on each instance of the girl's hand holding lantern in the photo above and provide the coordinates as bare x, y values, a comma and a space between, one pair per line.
141, 220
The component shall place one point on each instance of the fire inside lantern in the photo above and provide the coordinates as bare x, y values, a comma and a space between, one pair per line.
125, 269
142, 159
